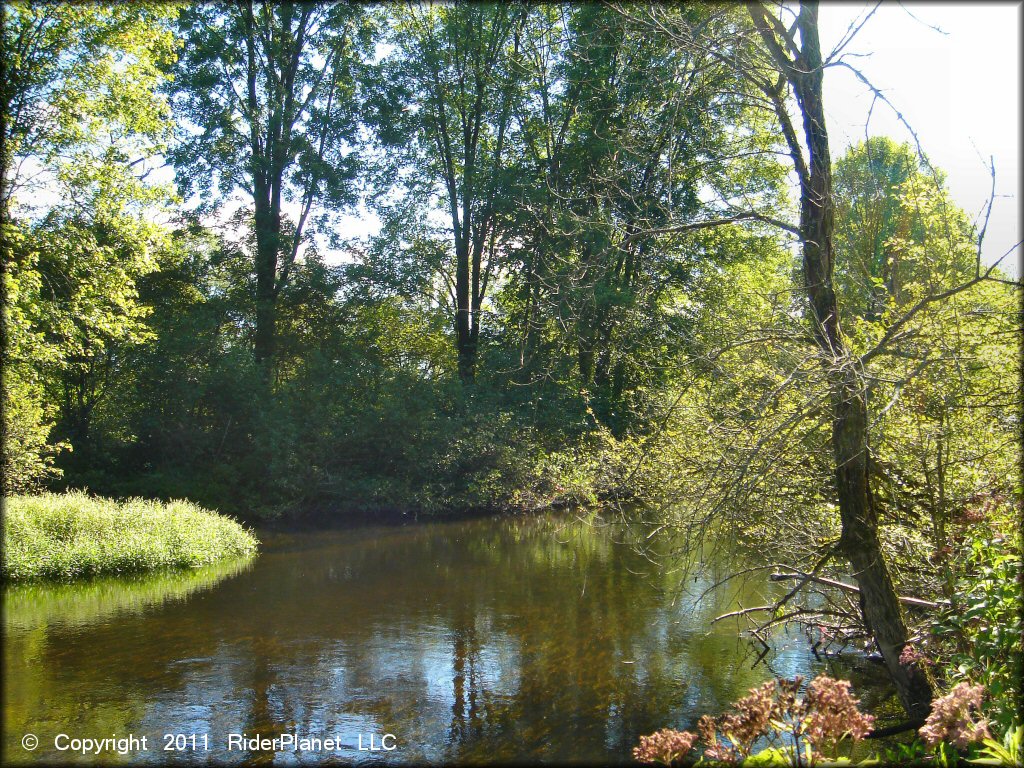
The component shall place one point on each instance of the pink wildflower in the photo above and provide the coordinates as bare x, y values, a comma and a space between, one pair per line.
955, 718
714, 749
664, 746
909, 655
833, 714
750, 719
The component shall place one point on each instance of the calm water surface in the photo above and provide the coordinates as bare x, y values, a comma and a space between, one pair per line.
490, 640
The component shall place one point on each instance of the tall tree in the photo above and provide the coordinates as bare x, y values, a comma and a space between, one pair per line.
457, 66
629, 136
81, 119
272, 94
945, 440
783, 76
796, 52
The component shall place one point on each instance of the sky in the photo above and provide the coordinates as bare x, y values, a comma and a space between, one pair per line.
959, 89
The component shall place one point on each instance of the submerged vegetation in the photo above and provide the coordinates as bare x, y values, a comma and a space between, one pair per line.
590, 282
71, 535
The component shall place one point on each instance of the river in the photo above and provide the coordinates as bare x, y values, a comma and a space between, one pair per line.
527, 639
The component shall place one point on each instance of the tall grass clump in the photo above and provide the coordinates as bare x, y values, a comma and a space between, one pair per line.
71, 535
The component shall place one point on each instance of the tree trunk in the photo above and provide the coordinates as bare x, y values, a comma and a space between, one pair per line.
267, 236
464, 343
859, 540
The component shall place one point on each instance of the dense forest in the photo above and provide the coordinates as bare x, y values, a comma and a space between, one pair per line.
615, 263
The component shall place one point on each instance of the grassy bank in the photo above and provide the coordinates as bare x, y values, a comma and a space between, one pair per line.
70, 535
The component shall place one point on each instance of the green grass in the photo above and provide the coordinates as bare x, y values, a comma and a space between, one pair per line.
72, 535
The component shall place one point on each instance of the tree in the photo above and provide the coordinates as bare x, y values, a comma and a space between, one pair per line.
785, 71
272, 92
944, 438
81, 121
869, 181
625, 136
457, 66
801, 69
72, 73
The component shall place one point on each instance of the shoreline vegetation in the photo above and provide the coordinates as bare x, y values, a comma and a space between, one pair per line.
73, 535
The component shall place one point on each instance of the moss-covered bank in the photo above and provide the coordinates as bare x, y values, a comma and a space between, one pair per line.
71, 535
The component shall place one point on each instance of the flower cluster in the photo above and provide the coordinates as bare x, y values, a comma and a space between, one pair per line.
832, 714
909, 655
750, 718
767, 709
821, 719
713, 748
664, 746
954, 718
979, 508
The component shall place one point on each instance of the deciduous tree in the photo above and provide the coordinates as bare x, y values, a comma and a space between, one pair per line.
269, 97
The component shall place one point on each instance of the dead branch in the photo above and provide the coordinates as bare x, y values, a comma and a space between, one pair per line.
851, 588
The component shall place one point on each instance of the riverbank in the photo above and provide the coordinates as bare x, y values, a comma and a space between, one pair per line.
330, 517
73, 535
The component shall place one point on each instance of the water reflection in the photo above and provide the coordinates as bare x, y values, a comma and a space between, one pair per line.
488, 640
35, 605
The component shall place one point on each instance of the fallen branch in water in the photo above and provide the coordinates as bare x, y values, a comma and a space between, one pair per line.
851, 588
744, 612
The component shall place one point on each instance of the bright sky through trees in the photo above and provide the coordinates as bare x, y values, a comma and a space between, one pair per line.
959, 89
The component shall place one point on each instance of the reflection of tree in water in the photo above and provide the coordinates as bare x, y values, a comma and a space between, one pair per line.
465, 725
600, 653
260, 675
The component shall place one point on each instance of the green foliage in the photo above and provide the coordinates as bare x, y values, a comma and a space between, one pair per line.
27, 416
75, 72
978, 636
1008, 751
29, 455
302, 105
543, 174
67, 536
942, 391
913, 753
81, 119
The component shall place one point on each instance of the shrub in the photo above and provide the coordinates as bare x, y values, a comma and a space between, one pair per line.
978, 638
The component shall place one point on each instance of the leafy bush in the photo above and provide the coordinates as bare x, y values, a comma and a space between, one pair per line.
979, 635
66, 536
